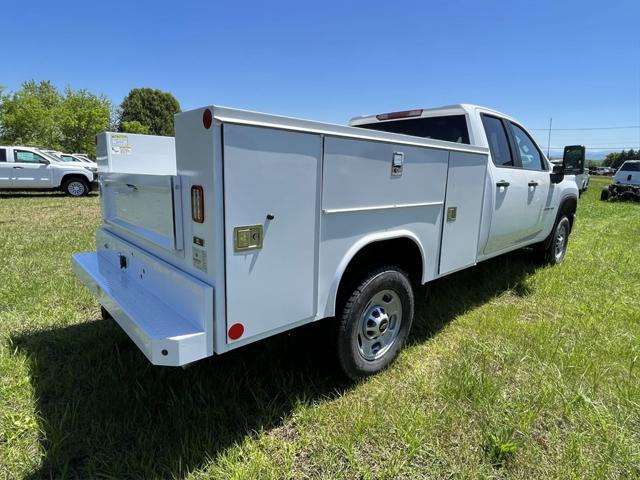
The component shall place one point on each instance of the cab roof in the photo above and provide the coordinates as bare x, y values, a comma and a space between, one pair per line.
455, 109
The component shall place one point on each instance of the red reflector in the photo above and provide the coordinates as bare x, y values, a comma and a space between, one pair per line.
197, 204
207, 119
403, 114
235, 331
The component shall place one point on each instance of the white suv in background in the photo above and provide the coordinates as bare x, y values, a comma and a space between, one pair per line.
27, 168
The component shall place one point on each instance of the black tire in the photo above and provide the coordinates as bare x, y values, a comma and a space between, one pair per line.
554, 253
76, 187
356, 333
604, 194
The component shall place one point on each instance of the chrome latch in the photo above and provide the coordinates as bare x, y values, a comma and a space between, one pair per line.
452, 213
396, 164
247, 238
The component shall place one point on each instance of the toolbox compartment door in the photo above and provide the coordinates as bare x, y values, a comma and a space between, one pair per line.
145, 206
270, 188
463, 209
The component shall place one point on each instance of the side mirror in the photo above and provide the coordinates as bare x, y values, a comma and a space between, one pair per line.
557, 173
573, 159
45, 161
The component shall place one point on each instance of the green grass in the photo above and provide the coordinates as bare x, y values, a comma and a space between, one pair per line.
513, 371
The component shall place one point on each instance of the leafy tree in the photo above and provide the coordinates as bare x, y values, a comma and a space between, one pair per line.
82, 115
616, 159
134, 126
28, 116
39, 115
152, 108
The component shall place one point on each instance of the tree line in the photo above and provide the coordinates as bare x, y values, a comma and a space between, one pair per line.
616, 159
40, 115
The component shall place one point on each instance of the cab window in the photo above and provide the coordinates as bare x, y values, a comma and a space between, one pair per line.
3, 154
450, 128
498, 141
530, 156
24, 156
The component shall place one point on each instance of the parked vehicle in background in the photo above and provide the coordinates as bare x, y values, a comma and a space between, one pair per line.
625, 184
269, 223
68, 157
28, 168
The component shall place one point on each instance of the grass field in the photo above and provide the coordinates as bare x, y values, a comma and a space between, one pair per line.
513, 371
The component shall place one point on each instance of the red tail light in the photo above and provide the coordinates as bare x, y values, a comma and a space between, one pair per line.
403, 114
197, 204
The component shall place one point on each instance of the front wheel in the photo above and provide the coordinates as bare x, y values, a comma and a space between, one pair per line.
557, 247
76, 187
375, 322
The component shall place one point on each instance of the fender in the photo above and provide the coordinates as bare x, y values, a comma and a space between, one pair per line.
567, 197
357, 247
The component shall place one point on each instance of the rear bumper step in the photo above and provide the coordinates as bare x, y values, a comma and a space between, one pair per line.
165, 336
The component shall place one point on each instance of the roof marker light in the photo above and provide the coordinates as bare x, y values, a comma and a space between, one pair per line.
207, 119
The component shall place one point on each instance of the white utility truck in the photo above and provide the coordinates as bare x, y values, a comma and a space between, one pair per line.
27, 168
270, 223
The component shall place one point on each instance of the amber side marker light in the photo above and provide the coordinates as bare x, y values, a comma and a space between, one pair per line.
197, 203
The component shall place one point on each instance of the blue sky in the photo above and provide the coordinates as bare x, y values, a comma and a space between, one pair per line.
575, 61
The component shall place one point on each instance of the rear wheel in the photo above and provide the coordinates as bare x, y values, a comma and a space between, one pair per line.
604, 194
375, 322
76, 187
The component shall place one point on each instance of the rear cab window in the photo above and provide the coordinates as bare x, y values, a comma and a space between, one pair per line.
3, 154
450, 128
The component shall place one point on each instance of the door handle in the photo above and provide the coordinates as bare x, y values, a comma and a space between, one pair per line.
18, 168
502, 183
533, 183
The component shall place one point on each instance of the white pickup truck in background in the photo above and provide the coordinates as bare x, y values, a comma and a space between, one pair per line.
269, 223
27, 168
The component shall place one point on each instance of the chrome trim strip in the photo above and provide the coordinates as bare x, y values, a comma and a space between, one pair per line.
380, 207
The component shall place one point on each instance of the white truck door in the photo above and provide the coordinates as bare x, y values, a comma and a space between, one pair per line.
6, 169
538, 179
30, 170
272, 204
463, 208
515, 213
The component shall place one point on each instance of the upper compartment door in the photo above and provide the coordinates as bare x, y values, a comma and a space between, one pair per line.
463, 208
271, 216
145, 206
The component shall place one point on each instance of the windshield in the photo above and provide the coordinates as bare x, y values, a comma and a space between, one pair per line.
49, 156
630, 167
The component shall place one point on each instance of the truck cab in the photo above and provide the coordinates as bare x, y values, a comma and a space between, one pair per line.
526, 194
28, 168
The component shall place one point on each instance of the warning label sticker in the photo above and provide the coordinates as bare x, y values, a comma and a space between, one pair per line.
120, 144
200, 259
123, 150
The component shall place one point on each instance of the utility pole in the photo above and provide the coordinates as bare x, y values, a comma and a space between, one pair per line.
549, 139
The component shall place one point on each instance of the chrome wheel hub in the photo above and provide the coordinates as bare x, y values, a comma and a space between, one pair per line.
560, 242
379, 325
76, 189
